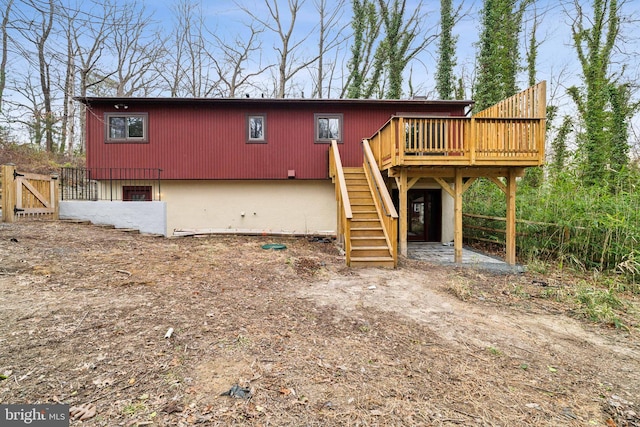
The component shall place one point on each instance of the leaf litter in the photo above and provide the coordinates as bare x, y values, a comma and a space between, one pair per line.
86, 310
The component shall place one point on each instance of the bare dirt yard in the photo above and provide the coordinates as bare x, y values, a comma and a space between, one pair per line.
85, 311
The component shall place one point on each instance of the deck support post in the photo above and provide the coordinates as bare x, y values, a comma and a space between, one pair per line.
511, 217
457, 208
401, 182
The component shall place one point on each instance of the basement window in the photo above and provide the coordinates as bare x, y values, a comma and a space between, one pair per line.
328, 127
136, 193
126, 127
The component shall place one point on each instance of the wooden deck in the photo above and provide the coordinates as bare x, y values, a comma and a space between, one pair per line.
497, 143
511, 134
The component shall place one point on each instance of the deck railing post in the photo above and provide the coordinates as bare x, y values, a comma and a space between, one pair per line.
8, 193
55, 194
401, 139
472, 141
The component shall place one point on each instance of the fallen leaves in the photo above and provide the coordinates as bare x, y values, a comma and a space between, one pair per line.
83, 412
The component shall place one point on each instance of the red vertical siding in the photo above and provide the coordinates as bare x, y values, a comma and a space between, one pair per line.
207, 140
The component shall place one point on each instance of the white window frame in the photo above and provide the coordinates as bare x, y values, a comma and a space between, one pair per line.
261, 139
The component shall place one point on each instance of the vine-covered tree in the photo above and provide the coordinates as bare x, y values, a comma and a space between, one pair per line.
405, 37
603, 102
361, 81
559, 144
532, 52
445, 79
498, 60
402, 39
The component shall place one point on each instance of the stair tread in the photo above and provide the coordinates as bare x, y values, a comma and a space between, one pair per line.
369, 248
372, 258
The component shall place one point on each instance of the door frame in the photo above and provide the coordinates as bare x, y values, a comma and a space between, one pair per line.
432, 214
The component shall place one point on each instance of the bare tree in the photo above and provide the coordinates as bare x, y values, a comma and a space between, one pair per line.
289, 62
30, 107
5, 39
187, 70
89, 30
329, 37
233, 61
173, 71
68, 108
37, 31
136, 47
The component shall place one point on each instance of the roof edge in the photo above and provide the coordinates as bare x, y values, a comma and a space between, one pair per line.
87, 100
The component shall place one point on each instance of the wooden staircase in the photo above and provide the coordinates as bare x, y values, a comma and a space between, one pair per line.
368, 243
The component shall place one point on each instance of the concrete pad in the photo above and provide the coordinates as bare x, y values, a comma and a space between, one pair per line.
444, 254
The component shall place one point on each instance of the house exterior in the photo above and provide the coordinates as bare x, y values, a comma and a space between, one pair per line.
268, 166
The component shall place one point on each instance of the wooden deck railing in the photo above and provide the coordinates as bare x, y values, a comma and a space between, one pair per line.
530, 104
382, 200
511, 133
345, 214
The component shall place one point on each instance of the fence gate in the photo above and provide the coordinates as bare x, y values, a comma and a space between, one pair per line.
28, 195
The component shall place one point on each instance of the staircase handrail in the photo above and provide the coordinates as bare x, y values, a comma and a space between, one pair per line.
342, 196
382, 200
337, 171
381, 188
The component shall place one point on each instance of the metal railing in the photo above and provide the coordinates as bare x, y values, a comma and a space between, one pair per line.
128, 184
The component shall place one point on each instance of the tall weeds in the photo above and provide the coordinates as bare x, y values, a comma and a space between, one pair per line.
590, 227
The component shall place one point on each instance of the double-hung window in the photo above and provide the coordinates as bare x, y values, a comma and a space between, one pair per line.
131, 127
328, 127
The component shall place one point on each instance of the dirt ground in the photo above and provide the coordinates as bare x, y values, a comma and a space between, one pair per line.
84, 312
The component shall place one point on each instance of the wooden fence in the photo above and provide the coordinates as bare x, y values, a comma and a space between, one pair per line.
28, 195
532, 236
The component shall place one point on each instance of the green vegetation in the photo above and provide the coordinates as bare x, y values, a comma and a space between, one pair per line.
499, 56
568, 223
583, 212
445, 79
599, 305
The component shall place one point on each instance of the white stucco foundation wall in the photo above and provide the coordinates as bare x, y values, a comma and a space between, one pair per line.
148, 217
448, 217
271, 207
